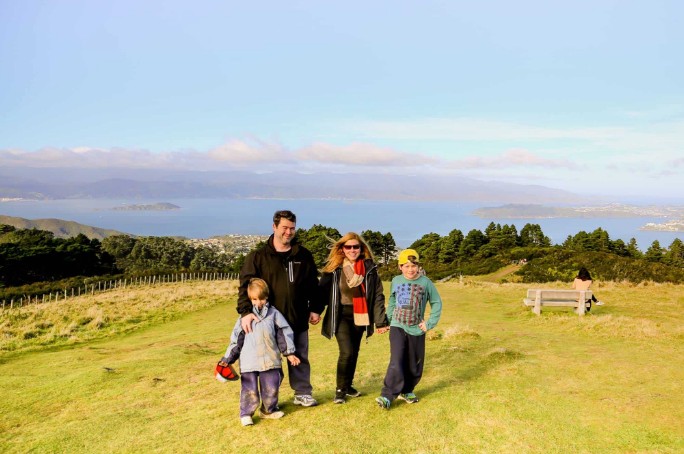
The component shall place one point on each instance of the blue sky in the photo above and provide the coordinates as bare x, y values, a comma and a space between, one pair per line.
585, 96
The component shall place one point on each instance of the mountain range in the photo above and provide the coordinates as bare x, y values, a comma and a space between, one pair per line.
46, 183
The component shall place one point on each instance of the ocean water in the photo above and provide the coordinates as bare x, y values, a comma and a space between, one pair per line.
407, 221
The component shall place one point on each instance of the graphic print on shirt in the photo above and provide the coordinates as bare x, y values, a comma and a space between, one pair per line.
409, 298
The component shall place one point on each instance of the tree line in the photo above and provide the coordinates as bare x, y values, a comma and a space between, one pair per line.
29, 256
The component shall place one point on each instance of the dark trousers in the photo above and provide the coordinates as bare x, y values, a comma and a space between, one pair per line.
260, 386
407, 356
349, 342
300, 376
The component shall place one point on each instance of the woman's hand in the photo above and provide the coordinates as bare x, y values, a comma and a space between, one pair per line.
292, 359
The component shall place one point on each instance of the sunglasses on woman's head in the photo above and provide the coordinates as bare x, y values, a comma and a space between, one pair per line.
348, 247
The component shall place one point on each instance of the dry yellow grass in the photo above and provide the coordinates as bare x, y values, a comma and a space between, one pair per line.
101, 315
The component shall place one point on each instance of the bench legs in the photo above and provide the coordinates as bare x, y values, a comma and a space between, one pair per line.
582, 306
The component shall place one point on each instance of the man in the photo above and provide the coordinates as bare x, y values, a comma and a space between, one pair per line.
290, 271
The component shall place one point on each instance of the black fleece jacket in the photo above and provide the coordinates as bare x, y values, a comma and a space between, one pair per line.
292, 281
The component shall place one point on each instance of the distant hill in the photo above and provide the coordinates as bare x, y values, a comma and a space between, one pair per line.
61, 228
111, 183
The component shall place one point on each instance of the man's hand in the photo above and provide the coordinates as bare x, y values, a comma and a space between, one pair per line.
246, 322
382, 330
292, 359
314, 318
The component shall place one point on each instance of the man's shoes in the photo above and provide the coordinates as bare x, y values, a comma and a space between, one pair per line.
246, 420
383, 402
352, 392
274, 415
599, 303
409, 398
339, 397
305, 400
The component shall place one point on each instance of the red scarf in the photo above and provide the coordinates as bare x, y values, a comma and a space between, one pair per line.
359, 297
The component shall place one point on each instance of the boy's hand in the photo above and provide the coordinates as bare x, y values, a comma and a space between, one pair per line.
382, 330
292, 359
423, 326
222, 363
246, 322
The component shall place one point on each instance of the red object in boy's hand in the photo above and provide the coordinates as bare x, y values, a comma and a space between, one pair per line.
225, 372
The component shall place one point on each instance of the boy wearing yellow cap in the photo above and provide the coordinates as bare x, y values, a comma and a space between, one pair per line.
409, 296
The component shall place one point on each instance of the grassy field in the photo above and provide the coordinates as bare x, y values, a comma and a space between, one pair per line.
497, 378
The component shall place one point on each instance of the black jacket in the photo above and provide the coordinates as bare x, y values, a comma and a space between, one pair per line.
292, 281
329, 288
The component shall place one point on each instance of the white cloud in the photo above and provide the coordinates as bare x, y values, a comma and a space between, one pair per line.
360, 154
512, 158
240, 152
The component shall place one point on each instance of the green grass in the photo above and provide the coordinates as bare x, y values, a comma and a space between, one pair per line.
497, 379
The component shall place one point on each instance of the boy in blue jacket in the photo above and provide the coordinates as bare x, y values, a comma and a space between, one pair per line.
409, 295
259, 353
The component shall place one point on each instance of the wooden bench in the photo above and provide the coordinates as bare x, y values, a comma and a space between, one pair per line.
536, 298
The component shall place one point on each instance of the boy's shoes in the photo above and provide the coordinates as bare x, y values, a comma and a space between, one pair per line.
352, 392
339, 397
274, 415
409, 398
305, 400
246, 420
383, 402
599, 303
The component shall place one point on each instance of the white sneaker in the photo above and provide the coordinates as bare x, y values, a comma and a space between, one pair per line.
305, 400
246, 420
599, 303
274, 415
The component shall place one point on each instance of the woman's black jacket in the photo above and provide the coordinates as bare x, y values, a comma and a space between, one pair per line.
329, 288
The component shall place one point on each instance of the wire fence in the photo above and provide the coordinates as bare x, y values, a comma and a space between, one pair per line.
106, 285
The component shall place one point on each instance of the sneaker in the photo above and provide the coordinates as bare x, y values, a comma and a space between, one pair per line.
352, 392
339, 397
246, 420
409, 398
274, 415
305, 400
383, 402
599, 303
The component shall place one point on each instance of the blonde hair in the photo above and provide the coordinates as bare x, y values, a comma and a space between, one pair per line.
336, 256
257, 288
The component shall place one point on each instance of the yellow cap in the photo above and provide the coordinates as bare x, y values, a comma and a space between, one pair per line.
406, 254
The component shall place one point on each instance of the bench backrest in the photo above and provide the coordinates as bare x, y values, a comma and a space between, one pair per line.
557, 295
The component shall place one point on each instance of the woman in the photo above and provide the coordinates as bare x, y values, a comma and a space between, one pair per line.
583, 282
352, 290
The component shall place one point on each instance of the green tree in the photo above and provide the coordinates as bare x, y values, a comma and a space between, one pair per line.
675, 254
531, 235
448, 250
428, 247
633, 250
654, 252
471, 244
318, 240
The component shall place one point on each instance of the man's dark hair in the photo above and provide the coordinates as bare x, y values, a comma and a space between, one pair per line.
280, 214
